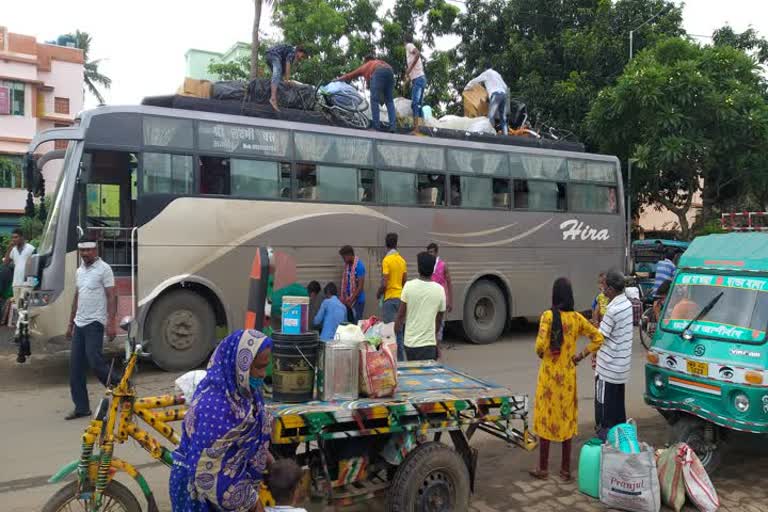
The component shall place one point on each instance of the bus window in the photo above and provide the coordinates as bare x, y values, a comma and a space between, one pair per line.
410, 156
397, 188
431, 189
470, 192
258, 178
367, 186
214, 175
501, 197
540, 195
591, 198
327, 183
167, 174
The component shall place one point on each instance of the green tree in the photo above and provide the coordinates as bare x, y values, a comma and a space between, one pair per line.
748, 41
689, 117
92, 77
556, 55
338, 34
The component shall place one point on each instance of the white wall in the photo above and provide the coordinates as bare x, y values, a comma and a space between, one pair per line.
18, 70
67, 81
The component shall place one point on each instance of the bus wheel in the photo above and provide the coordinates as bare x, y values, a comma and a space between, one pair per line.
703, 438
182, 330
432, 477
485, 313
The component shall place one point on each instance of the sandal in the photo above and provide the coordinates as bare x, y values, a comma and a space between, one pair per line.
566, 476
539, 474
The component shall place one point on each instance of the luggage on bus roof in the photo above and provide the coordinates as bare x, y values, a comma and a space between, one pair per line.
250, 109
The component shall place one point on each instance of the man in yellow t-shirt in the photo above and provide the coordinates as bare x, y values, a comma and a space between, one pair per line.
393, 276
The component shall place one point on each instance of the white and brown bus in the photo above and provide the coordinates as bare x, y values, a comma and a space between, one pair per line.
181, 198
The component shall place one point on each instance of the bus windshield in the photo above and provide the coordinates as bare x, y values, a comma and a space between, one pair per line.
740, 315
49, 231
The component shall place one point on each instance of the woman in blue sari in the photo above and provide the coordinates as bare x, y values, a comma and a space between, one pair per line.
224, 447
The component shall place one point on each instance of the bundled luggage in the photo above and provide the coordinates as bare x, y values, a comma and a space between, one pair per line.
289, 95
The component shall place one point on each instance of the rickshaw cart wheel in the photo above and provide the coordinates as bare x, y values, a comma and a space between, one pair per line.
704, 438
117, 497
433, 478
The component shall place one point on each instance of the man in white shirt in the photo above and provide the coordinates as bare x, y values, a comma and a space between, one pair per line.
18, 253
614, 359
422, 306
498, 94
93, 310
414, 73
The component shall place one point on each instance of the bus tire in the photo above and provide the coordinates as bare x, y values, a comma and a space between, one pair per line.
182, 330
432, 473
485, 313
115, 493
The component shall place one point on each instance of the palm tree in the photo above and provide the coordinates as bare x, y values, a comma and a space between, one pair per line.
255, 37
91, 75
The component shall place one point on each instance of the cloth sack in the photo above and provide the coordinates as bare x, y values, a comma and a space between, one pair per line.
698, 486
670, 467
378, 370
629, 481
187, 383
349, 333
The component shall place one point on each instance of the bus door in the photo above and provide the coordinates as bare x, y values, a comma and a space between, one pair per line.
106, 196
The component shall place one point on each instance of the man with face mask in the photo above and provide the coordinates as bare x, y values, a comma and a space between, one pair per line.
93, 311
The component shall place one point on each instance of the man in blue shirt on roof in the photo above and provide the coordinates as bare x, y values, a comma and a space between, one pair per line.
332, 313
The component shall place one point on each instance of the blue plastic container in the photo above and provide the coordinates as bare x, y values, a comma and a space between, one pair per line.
589, 467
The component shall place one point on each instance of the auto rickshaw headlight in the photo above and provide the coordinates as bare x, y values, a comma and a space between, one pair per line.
741, 402
658, 381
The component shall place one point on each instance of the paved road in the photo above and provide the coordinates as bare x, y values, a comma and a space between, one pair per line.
36, 440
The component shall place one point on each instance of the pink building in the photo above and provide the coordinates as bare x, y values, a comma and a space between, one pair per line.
41, 87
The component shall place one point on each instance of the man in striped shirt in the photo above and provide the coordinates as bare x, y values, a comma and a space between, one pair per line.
665, 270
614, 359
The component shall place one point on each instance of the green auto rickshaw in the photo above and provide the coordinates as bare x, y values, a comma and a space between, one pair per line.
707, 368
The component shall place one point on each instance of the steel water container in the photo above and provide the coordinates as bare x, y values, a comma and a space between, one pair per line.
338, 371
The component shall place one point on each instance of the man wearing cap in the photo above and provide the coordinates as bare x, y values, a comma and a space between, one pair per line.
93, 310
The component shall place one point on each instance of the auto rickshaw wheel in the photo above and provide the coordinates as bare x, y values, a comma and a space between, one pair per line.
703, 438
433, 478
117, 498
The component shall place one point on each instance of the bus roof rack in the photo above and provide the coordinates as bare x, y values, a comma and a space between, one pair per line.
250, 109
744, 221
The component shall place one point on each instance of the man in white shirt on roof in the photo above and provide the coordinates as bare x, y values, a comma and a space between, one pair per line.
18, 253
498, 94
614, 359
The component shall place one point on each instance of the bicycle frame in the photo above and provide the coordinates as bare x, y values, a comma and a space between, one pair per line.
95, 471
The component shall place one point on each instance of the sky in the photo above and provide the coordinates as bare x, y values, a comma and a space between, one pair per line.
142, 44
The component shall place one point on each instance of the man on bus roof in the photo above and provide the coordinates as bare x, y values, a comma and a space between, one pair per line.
498, 96
281, 58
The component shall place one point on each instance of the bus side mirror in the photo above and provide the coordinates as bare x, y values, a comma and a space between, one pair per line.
31, 174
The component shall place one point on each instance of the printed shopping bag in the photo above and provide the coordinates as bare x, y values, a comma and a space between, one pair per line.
629, 481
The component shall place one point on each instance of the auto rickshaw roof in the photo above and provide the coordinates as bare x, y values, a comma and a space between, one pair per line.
731, 252
652, 242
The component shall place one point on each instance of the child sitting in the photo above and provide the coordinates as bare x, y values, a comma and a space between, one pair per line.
283, 482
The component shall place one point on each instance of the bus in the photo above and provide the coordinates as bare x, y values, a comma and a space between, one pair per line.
179, 200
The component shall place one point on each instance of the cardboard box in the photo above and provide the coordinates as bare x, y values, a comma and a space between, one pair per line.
195, 88
475, 101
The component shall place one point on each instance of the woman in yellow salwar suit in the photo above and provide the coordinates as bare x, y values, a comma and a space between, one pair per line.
555, 414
